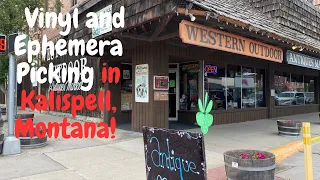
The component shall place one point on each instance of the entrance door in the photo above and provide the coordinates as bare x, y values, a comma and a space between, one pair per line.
173, 94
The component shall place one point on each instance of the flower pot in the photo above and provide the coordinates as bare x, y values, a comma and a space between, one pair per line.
289, 128
249, 169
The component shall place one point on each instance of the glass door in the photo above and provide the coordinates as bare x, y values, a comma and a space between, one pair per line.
173, 90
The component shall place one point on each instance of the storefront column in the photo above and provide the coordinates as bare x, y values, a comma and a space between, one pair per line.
270, 100
152, 113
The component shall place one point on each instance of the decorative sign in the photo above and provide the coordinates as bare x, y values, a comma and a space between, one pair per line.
107, 22
161, 96
302, 60
69, 86
200, 35
188, 67
142, 83
3, 44
174, 155
161, 82
210, 69
244, 83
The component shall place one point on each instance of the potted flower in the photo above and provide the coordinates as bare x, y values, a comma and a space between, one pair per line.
249, 165
289, 128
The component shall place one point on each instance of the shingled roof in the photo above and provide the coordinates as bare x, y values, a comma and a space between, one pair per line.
244, 12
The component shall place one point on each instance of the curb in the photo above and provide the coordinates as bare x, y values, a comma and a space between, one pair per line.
286, 151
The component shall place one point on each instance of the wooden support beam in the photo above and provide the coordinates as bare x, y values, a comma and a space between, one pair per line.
133, 36
164, 21
167, 36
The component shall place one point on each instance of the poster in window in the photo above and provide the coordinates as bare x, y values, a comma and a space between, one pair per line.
126, 74
126, 102
142, 83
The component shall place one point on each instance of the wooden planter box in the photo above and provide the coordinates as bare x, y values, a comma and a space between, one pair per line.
249, 169
289, 128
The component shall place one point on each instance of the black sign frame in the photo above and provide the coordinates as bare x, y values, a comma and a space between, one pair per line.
167, 150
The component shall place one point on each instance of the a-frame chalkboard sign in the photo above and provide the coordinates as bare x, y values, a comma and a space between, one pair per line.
174, 155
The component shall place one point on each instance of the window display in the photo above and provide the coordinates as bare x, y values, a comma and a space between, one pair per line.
292, 89
126, 87
189, 75
234, 87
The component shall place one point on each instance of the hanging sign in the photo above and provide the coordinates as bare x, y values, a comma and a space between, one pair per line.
302, 60
172, 154
160, 83
199, 35
107, 22
142, 83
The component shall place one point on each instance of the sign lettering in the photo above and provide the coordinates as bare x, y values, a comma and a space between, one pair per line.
210, 69
302, 60
200, 35
172, 154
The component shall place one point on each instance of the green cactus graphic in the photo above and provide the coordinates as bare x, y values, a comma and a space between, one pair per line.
204, 118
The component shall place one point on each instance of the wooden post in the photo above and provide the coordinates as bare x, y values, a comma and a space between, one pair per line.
307, 150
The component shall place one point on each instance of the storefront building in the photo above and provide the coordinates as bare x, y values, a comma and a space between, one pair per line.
246, 65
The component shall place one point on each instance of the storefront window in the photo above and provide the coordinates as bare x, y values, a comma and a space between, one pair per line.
214, 84
292, 89
189, 75
234, 87
248, 85
233, 84
126, 87
309, 90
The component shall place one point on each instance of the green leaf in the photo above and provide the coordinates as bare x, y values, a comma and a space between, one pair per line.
206, 99
204, 130
200, 105
200, 117
209, 107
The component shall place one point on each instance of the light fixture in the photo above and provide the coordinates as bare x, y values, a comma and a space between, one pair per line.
294, 47
301, 49
192, 18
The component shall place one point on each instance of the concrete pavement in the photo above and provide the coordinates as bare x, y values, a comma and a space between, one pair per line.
123, 157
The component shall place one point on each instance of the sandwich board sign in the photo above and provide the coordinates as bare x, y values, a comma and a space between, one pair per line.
174, 155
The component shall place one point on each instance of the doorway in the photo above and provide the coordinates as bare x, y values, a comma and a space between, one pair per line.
173, 94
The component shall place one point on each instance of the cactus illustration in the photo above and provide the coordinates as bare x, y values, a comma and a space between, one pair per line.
204, 118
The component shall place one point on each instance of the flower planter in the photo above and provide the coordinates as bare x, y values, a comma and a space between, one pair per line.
238, 168
289, 128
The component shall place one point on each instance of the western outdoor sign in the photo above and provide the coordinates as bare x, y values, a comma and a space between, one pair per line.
200, 35
302, 60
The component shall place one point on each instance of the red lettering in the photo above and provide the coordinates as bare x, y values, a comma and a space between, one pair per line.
58, 102
41, 130
54, 125
51, 100
76, 133
90, 102
104, 73
108, 101
41, 102
113, 72
64, 125
27, 100
88, 125
66, 102
24, 128
75, 106
104, 131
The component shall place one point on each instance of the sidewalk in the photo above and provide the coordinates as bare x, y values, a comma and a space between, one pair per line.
123, 157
